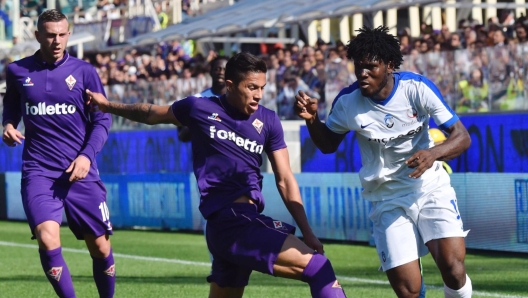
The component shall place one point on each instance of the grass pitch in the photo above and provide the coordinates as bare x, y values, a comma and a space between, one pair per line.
170, 264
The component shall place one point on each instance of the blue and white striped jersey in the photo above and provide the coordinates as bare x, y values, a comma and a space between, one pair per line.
390, 131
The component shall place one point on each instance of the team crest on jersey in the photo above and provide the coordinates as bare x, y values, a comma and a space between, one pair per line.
277, 224
257, 124
389, 120
110, 271
55, 273
215, 117
28, 82
70, 80
412, 113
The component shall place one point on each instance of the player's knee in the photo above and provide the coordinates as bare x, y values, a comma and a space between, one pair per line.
318, 268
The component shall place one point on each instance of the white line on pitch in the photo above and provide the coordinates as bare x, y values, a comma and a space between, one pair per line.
184, 262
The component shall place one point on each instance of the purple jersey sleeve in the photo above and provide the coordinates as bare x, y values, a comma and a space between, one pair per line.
276, 135
99, 125
182, 109
11, 113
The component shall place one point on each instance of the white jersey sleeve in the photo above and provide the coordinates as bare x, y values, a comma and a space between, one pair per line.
435, 105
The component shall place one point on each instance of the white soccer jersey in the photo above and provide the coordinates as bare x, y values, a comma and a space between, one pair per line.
390, 131
207, 93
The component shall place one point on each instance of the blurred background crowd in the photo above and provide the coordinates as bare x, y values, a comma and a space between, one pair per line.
478, 68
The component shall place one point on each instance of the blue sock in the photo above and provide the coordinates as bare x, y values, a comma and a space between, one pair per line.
57, 272
320, 275
104, 275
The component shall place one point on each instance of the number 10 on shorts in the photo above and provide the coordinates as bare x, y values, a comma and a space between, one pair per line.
105, 214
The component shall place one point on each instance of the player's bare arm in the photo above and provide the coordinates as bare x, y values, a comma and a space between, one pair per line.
326, 140
138, 112
457, 142
289, 191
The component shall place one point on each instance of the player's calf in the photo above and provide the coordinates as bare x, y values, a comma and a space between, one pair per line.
320, 275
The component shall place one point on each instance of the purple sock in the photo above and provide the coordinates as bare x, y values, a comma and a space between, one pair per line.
320, 275
104, 275
57, 272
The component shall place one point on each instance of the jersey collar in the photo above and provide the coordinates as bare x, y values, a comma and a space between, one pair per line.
396, 77
55, 64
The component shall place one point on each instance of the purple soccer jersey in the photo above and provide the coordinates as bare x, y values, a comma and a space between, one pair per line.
227, 149
51, 100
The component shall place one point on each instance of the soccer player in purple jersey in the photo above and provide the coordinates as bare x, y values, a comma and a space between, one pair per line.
59, 171
228, 136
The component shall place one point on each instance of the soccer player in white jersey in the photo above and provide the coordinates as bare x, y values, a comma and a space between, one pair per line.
414, 207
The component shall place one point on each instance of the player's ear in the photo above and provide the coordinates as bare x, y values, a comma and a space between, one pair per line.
390, 67
229, 85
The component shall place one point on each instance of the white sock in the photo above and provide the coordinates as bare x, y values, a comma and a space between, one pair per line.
464, 292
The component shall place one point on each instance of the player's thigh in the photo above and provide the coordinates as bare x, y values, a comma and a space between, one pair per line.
86, 209
406, 279
242, 240
439, 216
448, 253
397, 238
41, 203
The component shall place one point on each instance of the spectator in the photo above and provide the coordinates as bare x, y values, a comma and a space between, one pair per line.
286, 99
475, 93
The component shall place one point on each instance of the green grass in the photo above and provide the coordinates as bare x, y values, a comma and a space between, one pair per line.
21, 275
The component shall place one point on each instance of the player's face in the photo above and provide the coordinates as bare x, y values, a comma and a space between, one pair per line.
247, 94
53, 39
373, 78
218, 72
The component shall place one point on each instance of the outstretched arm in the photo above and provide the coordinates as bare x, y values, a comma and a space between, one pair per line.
326, 140
289, 191
139, 112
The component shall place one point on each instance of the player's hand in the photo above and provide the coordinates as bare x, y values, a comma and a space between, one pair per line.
79, 168
11, 136
313, 242
305, 106
420, 161
97, 101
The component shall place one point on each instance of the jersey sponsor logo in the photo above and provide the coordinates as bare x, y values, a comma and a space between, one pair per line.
364, 126
57, 109
110, 271
55, 273
28, 82
277, 224
386, 140
412, 113
70, 81
246, 144
414, 121
258, 125
215, 117
389, 120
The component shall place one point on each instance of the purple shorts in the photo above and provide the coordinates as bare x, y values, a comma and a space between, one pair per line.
242, 240
84, 203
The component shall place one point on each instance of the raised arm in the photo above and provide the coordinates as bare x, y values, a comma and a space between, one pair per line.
326, 140
140, 112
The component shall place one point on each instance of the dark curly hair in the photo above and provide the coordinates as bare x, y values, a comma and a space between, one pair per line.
375, 44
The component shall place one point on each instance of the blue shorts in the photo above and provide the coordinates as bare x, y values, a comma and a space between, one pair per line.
84, 203
242, 240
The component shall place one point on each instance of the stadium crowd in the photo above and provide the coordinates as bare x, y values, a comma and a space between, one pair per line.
478, 68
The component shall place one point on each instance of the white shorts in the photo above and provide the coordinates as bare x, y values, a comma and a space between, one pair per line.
403, 225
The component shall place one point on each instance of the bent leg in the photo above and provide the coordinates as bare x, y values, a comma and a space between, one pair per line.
297, 261
51, 259
102, 263
449, 255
